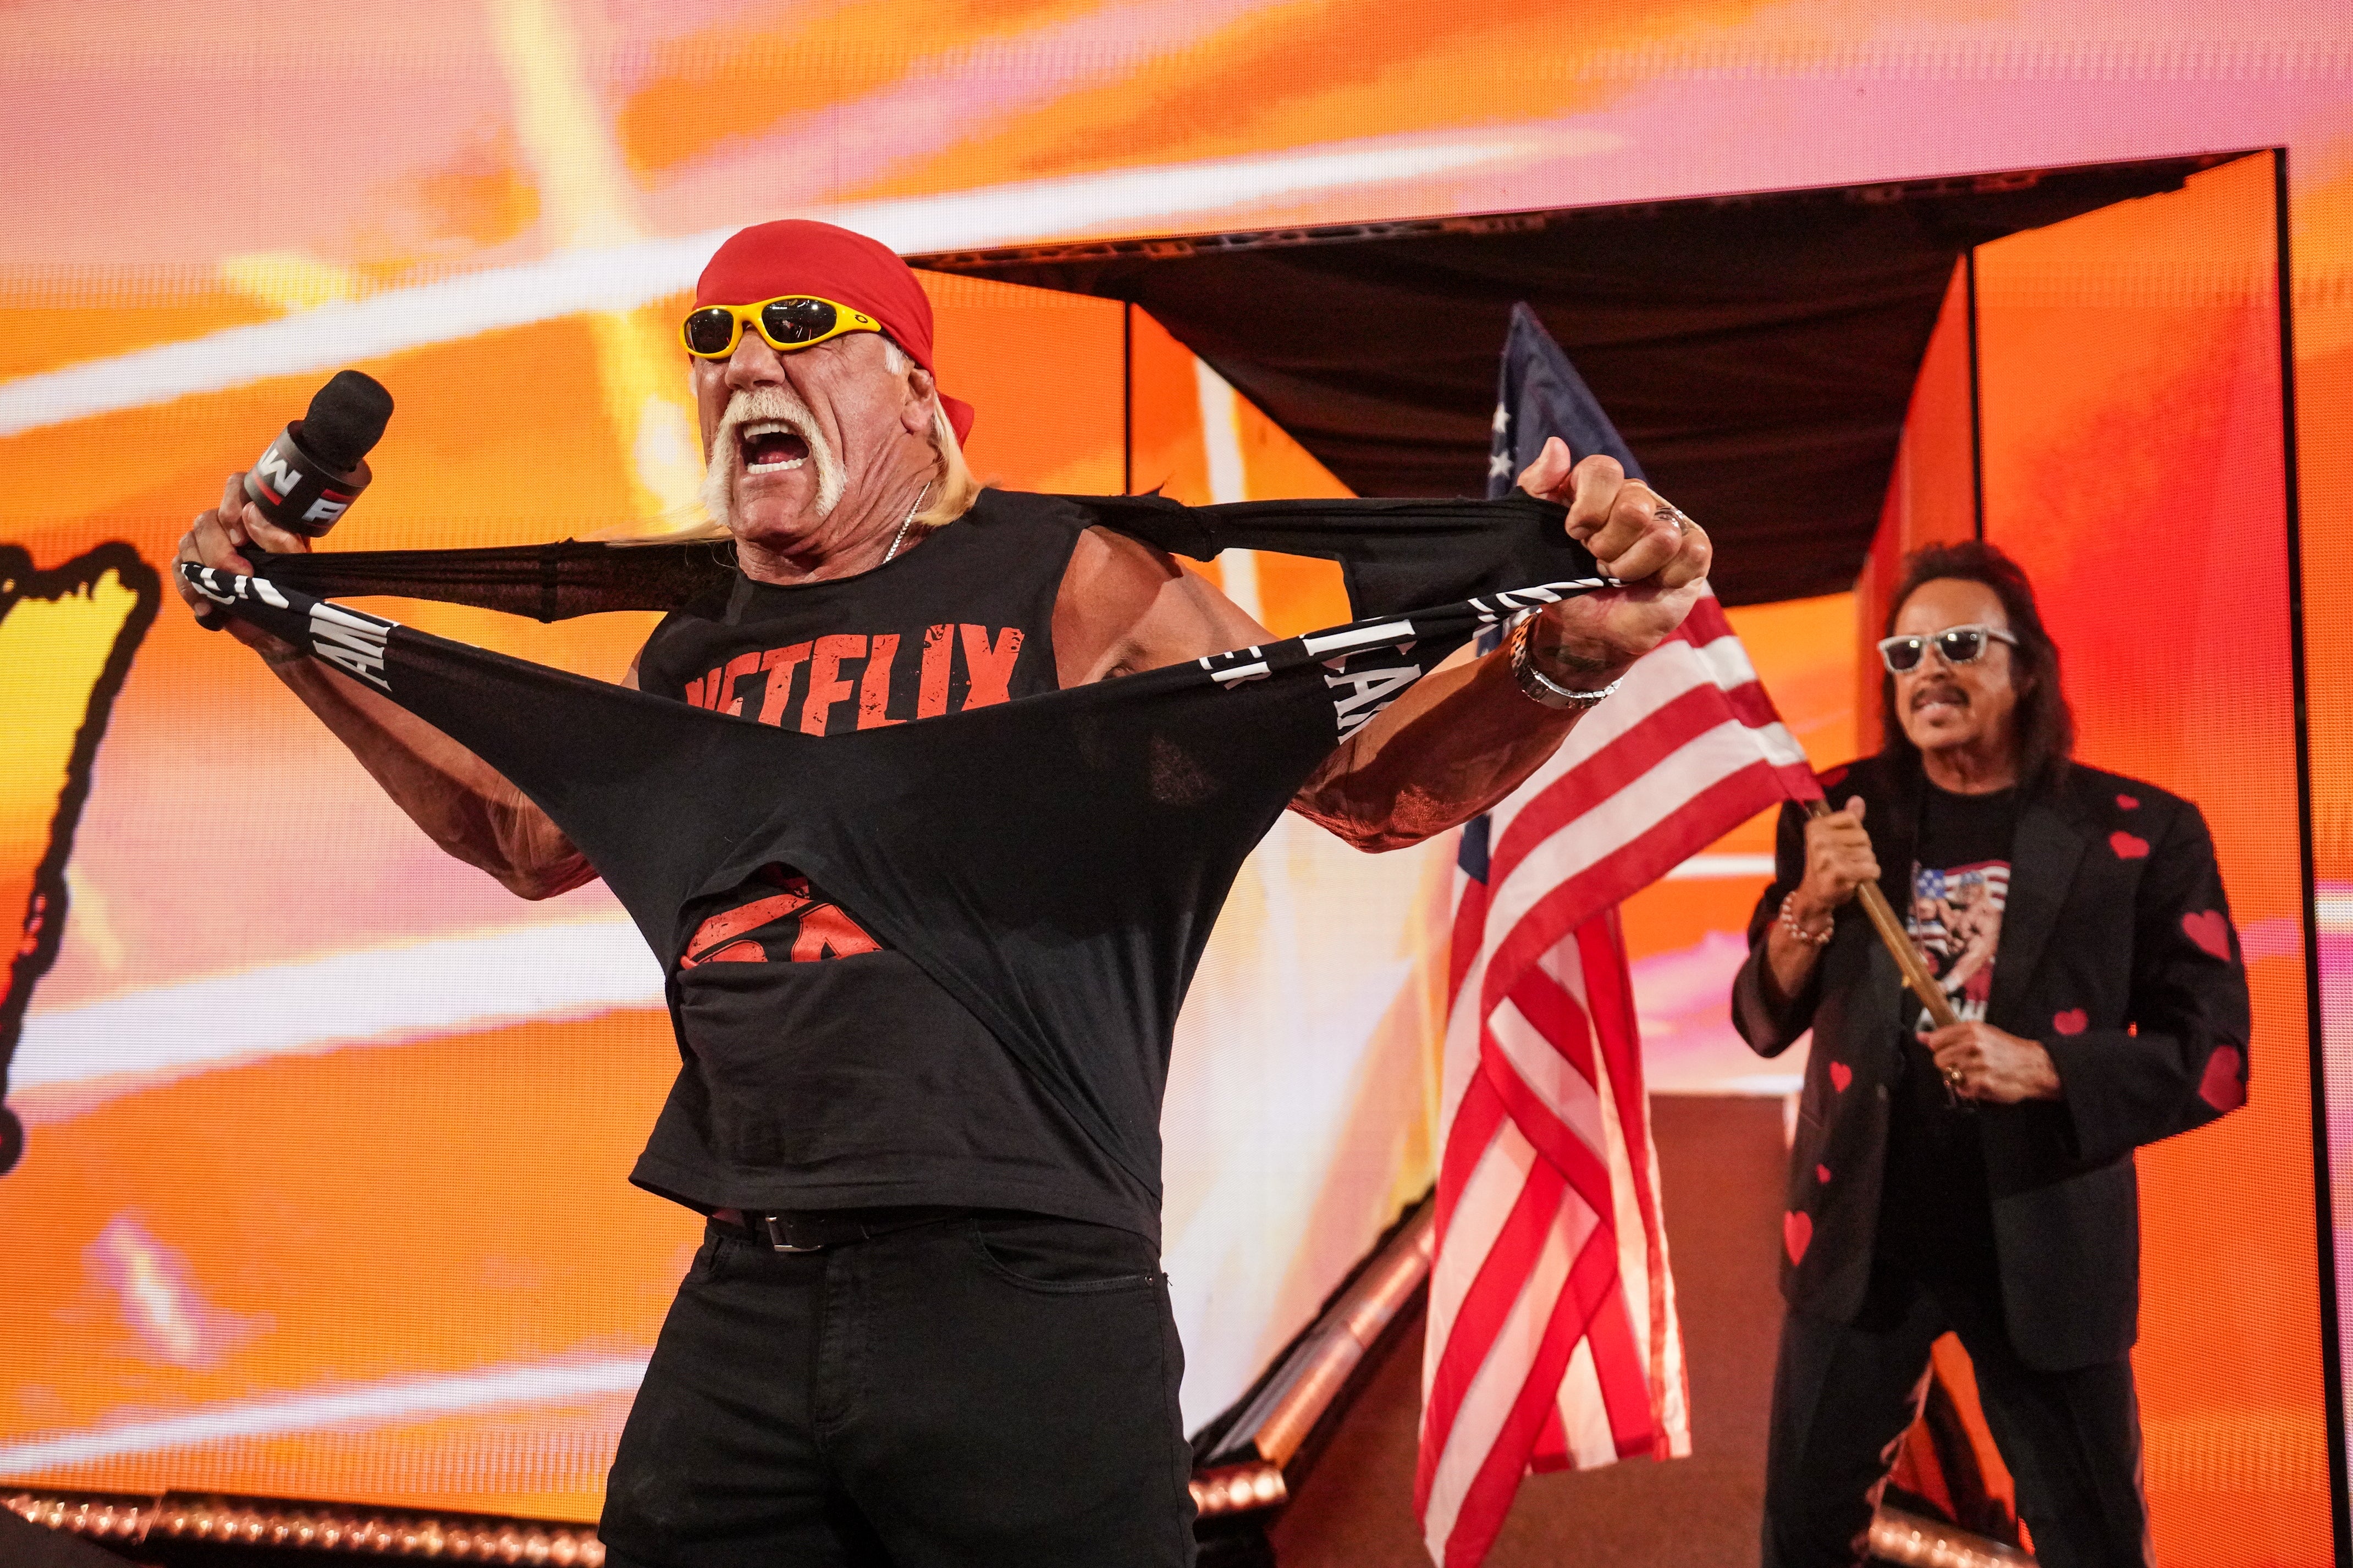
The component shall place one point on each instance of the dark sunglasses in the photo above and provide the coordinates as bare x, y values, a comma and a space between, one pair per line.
790, 321
1957, 645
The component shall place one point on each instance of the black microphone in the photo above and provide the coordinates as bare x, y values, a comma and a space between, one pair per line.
318, 465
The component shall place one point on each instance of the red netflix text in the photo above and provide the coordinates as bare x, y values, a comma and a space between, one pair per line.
805, 683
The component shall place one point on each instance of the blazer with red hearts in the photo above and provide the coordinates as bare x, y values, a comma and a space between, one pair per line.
2117, 954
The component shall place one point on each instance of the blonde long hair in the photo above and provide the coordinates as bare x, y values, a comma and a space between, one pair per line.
954, 488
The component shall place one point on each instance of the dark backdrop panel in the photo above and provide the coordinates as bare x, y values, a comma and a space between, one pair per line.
1758, 351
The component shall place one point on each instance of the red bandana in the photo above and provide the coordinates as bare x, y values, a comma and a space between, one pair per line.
798, 256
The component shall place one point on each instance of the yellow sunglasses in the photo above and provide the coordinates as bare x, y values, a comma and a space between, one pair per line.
788, 321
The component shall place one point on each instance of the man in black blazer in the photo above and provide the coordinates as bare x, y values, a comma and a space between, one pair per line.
1979, 1178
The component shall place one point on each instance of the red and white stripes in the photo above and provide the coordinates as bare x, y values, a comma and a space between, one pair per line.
1553, 1339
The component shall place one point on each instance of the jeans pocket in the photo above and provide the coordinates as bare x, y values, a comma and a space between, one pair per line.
1064, 1256
710, 1258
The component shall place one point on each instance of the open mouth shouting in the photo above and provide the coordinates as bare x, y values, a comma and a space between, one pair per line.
769, 453
771, 447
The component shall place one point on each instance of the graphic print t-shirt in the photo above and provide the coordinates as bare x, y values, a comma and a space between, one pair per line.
1934, 1207
823, 1068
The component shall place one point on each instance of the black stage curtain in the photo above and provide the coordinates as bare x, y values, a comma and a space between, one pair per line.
1758, 352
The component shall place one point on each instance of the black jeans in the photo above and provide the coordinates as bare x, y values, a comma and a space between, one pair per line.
1845, 1393
999, 1388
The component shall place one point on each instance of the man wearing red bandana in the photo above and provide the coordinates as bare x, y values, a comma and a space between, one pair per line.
928, 1325
1980, 1177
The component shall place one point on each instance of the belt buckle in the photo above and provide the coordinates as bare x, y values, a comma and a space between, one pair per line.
777, 1237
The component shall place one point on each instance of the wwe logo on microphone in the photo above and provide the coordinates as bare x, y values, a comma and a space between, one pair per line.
298, 491
327, 508
275, 475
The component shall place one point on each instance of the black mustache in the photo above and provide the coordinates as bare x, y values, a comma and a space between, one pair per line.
1928, 694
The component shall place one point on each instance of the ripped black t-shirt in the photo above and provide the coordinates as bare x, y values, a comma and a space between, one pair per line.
1048, 861
822, 1069
825, 1070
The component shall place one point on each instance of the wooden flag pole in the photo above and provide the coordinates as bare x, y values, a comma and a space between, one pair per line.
1899, 944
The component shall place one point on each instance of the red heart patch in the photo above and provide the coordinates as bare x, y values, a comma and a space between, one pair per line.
1797, 1232
2222, 1088
1822, 1174
1841, 1075
2128, 802
2128, 848
2073, 1021
2211, 932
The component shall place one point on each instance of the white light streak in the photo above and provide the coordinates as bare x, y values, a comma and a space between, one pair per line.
372, 1404
376, 997
627, 277
1721, 867
1221, 446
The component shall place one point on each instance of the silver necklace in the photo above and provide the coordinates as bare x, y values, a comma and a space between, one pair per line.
901, 537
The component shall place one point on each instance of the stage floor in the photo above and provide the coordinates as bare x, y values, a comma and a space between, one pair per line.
1721, 1162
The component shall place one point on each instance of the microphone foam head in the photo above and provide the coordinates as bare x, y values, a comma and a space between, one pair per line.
346, 420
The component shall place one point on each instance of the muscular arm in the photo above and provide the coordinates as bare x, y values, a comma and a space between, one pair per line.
1453, 744
463, 804
1461, 739
1448, 748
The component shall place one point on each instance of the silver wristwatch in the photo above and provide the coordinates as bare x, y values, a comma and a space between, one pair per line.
1536, 686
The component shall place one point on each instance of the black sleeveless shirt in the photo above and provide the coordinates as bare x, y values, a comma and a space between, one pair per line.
823, 1069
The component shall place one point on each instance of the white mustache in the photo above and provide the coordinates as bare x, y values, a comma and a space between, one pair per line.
755, 404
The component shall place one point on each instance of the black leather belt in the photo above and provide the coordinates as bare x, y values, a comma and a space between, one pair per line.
814, 1230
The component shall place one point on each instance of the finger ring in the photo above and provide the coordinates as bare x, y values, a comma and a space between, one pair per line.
1955, 1077
1667, 511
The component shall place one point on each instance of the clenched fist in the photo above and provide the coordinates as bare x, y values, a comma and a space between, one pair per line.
1839, 861
1660, 555
215, 538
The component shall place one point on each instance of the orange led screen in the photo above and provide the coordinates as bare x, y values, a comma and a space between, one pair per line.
2134, 464
324, 1193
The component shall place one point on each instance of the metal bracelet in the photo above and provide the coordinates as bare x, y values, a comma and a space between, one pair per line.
1534, 684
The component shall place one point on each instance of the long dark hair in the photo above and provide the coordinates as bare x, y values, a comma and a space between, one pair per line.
2045, 724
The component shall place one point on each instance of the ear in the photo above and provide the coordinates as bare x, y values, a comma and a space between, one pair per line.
915, 413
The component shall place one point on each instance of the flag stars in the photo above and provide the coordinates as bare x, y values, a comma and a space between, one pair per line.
1503, 422
1499, 467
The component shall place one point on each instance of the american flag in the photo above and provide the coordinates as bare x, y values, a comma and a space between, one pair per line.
1552, 1339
